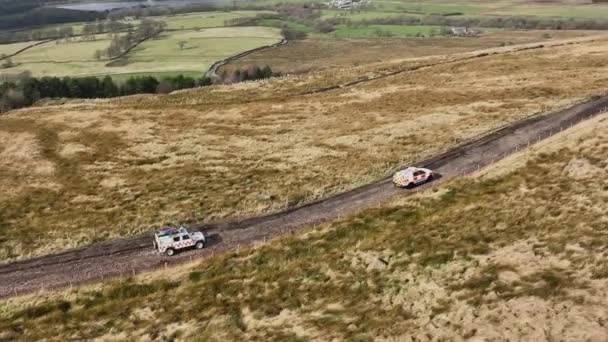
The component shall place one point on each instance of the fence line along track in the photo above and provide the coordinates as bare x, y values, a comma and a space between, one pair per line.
467, 56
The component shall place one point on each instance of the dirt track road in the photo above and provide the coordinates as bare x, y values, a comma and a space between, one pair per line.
135, 254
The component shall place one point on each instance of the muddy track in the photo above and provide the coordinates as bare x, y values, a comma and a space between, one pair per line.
135, 254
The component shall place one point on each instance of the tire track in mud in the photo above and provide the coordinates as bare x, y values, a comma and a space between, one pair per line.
135, 254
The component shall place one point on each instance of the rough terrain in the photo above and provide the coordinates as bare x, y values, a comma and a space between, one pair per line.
135, 254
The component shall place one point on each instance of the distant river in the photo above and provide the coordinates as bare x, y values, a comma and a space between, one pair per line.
106, 6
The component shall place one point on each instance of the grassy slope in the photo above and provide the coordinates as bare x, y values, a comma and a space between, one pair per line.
326, 51
392, 8
205, 154
9, 49
203, 48
393, 30
75, 58
517, 251
205, 19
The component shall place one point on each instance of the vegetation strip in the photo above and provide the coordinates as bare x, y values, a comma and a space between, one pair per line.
211, 72
131, 255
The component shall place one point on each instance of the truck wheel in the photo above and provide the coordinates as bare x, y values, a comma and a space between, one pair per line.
170, 251
199, 245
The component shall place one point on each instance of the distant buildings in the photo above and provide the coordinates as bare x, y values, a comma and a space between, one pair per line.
347, 4
464, 31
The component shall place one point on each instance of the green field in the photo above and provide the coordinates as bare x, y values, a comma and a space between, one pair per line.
202, 49
280, 23
430, 8
9, 49
64, 59
162, 54
361, 14
386, 30
205, 19
581, 12
394, 8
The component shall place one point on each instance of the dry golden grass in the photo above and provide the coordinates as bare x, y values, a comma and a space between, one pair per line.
88, 170
318, 53
516, 251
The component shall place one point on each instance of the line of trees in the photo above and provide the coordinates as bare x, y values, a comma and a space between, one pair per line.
247, 73
65, 32
123, 43
23, 90
26, 91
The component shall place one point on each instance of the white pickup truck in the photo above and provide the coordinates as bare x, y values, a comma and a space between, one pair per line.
169, 240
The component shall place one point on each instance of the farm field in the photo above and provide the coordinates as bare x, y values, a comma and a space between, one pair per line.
559, 9
386, 30
203, 48
75, 58
514, 251
205, 19
184, 21
231, 151
9, 49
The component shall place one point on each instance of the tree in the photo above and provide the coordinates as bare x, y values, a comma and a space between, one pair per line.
291, 34
109, 87
14, 98
164, 87
181, 44
8, 63
100, 26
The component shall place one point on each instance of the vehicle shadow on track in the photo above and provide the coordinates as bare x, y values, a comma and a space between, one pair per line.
213, 239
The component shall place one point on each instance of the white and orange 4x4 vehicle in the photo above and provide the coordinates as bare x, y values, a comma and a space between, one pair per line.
169, 240
411, 176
